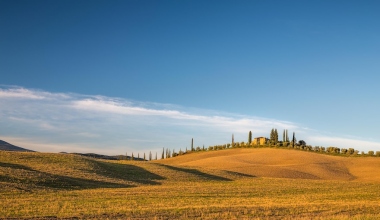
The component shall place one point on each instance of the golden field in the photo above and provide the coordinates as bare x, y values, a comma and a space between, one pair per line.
262, 183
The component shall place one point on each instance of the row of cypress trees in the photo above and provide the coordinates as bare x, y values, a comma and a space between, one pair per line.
272, 141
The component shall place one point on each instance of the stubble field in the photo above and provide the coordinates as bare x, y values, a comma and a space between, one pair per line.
229, 184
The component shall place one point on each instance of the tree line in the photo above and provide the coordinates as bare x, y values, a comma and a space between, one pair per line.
272, 141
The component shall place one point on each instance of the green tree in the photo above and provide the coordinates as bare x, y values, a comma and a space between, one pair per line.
249, 137
271, 136
286, 136
163, 153
294, 139
275, 136
192, 144
132, 156
144, 156
233, 141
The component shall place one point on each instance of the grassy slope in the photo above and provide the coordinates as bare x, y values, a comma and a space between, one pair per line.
283, 163
205, 185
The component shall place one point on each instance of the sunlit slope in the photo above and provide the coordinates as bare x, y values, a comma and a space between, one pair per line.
283, 163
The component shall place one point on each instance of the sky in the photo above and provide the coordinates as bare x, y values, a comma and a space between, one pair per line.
120, 76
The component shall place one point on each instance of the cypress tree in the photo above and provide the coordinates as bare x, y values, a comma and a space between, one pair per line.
233, 141
294, 139
287, 136
163, 153
192, 144
271, 138
156, 155
144, 156
132, 156
275, 136
249, 137
283, 136
138, 155
150, 155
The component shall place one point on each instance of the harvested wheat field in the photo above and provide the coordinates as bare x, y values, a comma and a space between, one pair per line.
260, 183
283, 163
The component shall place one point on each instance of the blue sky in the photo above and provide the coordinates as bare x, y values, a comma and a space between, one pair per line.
116, 76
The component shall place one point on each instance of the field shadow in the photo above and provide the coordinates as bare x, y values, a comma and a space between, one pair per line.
126, 172
238, 174
196, 172
130, 177
15, 166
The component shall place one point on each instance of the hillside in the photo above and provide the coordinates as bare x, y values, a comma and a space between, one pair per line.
9, 147
205, 185
33, 171
282, 163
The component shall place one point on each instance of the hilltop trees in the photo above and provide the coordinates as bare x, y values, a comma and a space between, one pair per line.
285, 137
294, 139
233, 141
273, 141
273, 136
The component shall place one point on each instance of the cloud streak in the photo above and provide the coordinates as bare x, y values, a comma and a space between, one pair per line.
45, 121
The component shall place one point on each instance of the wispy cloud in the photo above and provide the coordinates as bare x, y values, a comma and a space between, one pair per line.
45, 121
14, 92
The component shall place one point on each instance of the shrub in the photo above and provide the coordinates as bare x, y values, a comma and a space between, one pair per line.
343, 151
350, 151
371, 153
333, 150
378, 153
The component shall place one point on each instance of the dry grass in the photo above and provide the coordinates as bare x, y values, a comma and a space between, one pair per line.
283, 163
196, 186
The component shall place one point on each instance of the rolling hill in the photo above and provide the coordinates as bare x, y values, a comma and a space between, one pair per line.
263, 183
9, 147
282, 163
78, 172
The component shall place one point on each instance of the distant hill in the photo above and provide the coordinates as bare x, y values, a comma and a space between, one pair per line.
9, 147
106, 157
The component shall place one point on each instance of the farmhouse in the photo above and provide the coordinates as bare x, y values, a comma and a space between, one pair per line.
260, 140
